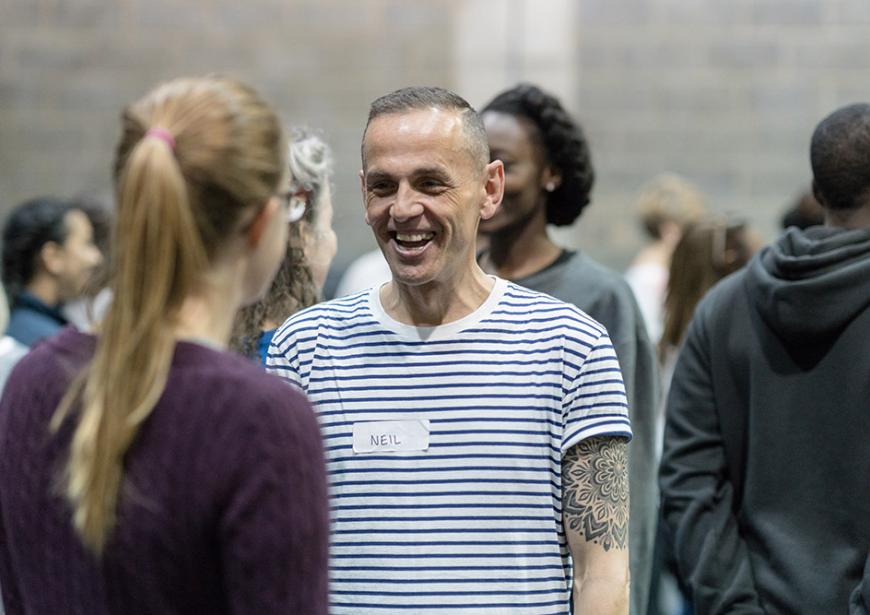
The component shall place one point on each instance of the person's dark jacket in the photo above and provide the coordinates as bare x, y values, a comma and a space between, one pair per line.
766, 470
32, 320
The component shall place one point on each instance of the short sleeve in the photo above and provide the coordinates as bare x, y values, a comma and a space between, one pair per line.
594, 403
282, 358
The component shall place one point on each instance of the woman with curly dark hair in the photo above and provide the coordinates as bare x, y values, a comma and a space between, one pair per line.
548, 180
311, 246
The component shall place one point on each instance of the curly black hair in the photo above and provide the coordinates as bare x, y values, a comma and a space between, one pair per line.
564, 144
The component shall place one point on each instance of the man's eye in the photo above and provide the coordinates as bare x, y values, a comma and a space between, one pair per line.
380, 188
431, 184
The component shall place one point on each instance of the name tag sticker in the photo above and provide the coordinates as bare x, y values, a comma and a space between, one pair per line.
390, 436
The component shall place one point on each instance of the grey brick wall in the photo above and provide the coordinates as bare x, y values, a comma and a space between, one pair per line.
725, 92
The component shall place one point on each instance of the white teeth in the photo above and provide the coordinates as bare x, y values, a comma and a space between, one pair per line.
414, 236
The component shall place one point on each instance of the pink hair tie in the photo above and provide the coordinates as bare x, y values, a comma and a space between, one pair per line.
162, 134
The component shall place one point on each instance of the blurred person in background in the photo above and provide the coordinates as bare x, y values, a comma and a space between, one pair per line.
86, 310
311, 246
766, 457
49, 256
146, 469
708, 251
548, 180
10, 349
804, 213
665, 205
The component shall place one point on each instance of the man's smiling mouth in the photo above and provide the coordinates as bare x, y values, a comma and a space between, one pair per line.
412, 240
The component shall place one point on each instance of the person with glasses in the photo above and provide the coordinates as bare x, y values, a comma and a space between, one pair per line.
311, 246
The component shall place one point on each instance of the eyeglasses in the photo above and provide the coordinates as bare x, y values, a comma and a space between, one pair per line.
294, 200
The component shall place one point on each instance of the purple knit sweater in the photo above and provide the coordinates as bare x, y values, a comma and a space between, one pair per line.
223, 507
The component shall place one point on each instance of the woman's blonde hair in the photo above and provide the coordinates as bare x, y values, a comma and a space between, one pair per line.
196, 159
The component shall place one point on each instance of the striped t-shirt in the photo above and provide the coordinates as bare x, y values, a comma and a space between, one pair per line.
444, 447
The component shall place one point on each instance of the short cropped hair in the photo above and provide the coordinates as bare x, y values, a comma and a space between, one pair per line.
564, 145
840, 158
28, 228
424, 97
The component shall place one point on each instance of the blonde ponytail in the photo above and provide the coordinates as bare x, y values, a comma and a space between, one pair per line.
165, 235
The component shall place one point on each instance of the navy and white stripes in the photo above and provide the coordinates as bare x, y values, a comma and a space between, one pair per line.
473, 523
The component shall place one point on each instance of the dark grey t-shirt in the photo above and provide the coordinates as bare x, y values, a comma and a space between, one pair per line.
605, 295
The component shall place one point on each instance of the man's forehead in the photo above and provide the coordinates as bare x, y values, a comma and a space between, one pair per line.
430, 124
429, 120
433, 133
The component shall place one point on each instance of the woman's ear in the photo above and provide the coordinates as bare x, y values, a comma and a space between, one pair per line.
551, 179
261, 221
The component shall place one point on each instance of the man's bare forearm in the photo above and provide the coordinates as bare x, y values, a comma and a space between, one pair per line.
595, 499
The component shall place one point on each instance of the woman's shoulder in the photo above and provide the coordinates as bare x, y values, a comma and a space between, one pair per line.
230, 388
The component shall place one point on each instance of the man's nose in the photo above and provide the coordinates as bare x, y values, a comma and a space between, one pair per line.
406, 205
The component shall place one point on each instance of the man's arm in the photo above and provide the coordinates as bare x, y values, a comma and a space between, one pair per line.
595, 515
697, 495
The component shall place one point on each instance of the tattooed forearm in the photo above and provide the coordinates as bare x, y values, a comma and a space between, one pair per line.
595, 491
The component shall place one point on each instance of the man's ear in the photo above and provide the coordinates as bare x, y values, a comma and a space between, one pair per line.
362, 187
494, 187
261, 222
818, 194
51, 257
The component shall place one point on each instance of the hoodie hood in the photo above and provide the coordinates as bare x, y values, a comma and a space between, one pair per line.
808, 285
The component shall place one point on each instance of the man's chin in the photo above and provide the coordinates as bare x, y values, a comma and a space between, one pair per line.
411, 281
411, 276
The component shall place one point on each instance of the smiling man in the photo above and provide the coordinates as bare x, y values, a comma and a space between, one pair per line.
476, 431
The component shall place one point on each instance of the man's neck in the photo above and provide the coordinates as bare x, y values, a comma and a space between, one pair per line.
848, 218
523, 250
436, 303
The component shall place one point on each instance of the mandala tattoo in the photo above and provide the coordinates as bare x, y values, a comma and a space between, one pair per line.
595, 491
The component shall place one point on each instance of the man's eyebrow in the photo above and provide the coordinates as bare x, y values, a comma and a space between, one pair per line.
373, 176
438, 172
433, 171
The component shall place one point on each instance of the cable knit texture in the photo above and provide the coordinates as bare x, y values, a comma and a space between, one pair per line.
223, 508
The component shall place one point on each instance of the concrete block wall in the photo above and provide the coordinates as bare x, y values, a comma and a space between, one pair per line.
68, 66
726, 93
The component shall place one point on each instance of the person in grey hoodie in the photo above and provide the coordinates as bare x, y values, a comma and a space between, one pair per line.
766, 471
